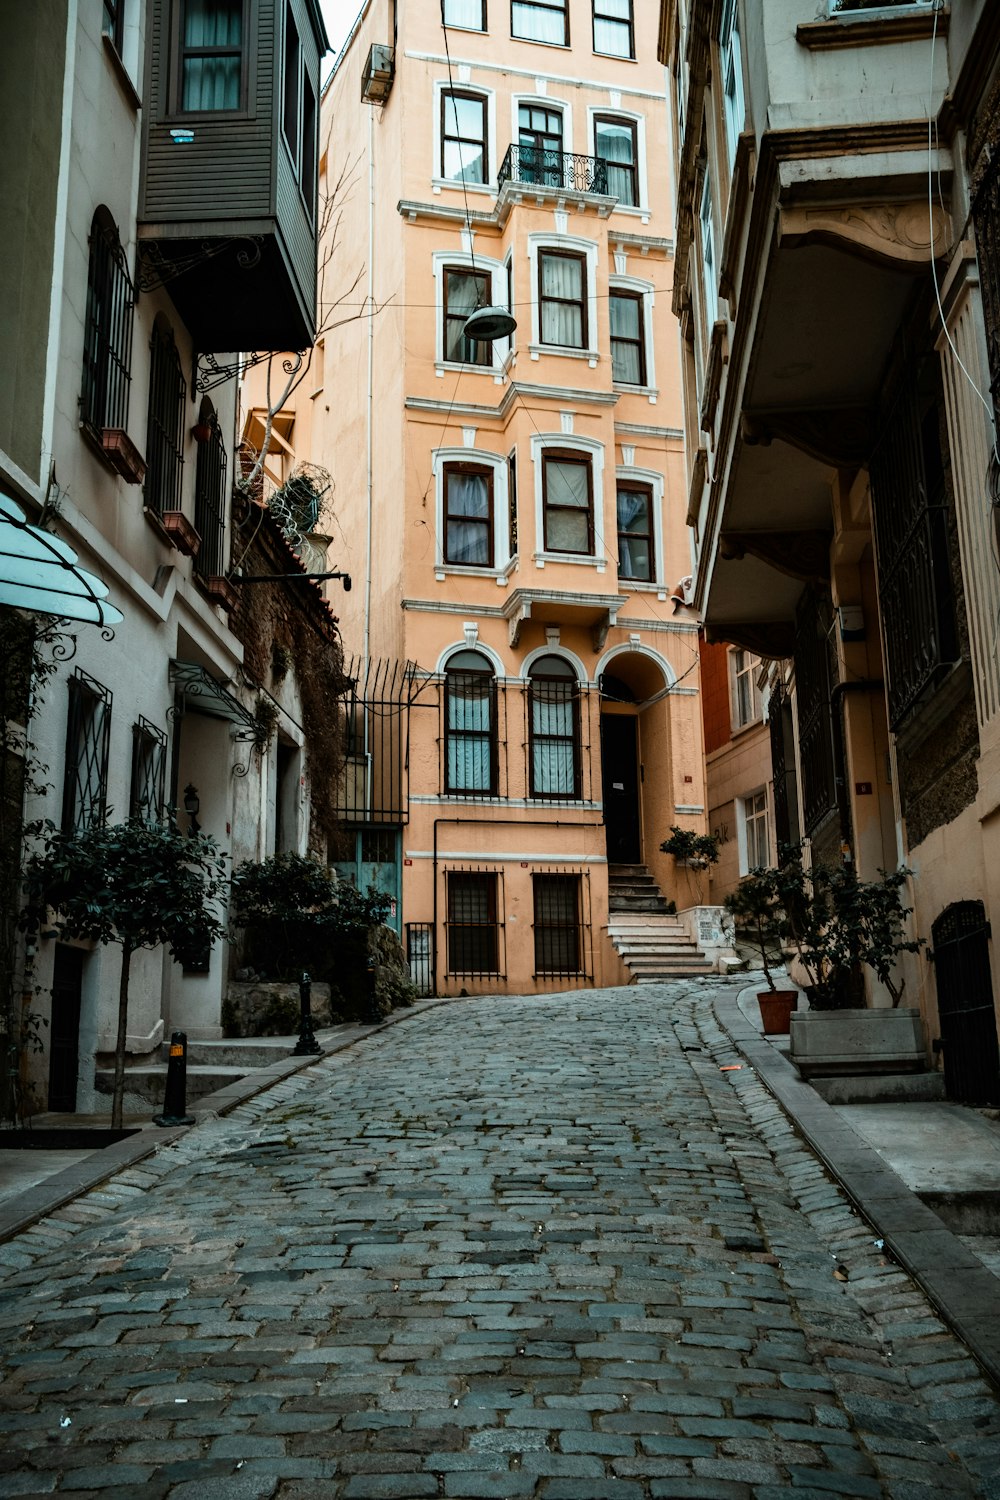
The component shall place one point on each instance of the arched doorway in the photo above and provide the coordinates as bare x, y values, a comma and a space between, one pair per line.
630, 680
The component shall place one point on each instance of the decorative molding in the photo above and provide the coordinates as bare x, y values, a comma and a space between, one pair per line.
520, 606
640, 429
699, 470
842, 436
798, 554
565, 394
646, 244
894, 234
444, 607
563, 79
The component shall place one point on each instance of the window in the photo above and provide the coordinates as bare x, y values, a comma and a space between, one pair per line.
540, 144
635, 532
473, 928
554, 724
708, 250
292, 78
468, 515
512, 502
211, 55
562, 298
210, 497
731, 58
755, 835
149, 761
107, 346
743, 670
88, 731
540, 21
464, 157
628, 345
165, 422
616, 145
464, 291
470, 695
613, 28
468, 15
567, 503
113, 22
298, 113
558, 945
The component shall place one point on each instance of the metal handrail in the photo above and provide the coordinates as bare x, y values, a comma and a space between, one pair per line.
556, 169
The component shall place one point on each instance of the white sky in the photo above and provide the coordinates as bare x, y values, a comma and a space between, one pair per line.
339, 16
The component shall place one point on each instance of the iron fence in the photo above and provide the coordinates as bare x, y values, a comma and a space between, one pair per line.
540, 167
372, 785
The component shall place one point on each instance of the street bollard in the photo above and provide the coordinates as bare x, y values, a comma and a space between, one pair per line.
307, 1045
175, 1095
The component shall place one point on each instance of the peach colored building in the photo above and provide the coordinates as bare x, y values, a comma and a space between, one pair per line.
512, 513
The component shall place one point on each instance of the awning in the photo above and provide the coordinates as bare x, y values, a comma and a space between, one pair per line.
38, 572
204, 694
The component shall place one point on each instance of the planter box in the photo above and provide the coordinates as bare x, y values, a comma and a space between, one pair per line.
122, 454
181, 532
851, 1042
219, 590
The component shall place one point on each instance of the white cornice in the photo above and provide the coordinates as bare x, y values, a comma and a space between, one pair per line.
640, 429
567, 80
566, 395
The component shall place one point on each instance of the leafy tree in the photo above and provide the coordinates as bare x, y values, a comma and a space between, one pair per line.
756, 907
135, 884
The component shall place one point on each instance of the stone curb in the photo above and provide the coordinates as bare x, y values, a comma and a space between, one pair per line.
20, 1212
960, 1287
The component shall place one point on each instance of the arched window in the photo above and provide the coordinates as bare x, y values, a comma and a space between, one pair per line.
165, 422
107, 339
554, 725
470, 697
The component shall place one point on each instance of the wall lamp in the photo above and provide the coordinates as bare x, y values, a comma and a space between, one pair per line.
238, 577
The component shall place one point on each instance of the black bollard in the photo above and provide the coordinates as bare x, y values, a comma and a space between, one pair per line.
307, 1045
175, 1096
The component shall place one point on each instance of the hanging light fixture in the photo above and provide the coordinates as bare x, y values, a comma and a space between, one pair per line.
489, 323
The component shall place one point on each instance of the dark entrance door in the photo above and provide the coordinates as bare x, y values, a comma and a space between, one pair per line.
620, 775
64, 1029
960, 939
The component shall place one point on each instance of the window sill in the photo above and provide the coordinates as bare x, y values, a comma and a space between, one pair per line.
634, 210
120, 71
737, 730
641, 586
575, 559
649, 391
615, 56
536, 41
872, 28
459, 570
442, 366
456, 185
564, 351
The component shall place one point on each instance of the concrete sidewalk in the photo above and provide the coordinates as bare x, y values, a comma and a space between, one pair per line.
885, 1156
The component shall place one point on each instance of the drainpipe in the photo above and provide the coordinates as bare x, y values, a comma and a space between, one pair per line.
369, 436
522, 823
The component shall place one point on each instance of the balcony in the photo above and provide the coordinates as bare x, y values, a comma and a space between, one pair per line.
531, 174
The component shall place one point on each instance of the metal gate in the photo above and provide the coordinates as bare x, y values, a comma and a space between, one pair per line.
960, 939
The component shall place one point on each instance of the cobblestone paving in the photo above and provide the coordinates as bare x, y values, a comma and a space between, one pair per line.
507, 1248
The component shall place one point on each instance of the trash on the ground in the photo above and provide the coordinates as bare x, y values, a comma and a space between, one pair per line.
241, 1463
731, 1068
65, 1421
879, 1244
841, 1273
180, 1401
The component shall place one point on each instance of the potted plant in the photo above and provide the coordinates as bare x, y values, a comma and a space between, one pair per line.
755, 906
694, 850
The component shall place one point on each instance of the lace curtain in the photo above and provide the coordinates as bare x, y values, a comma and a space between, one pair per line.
465, 13
538, 23
553, 738
562, 320
567, 507
633, 550
468, 524
469, 731
626, 335
616, 148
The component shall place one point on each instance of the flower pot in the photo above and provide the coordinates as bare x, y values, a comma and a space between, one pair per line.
776, 1007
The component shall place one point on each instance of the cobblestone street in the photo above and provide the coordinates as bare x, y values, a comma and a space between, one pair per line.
505, 1248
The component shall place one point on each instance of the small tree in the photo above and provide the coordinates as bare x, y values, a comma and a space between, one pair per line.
756, 907
135, 884
696, 850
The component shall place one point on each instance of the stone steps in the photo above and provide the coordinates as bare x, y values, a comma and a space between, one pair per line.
651, 940
148, 1081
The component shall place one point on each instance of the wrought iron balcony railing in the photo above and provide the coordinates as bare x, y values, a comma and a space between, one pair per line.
555, 169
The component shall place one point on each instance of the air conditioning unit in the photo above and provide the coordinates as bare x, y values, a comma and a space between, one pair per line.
380, 70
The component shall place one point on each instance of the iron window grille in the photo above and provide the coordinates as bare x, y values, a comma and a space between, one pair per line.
540, 144
567, 503
628, 344
468, 515
785, 796
466, 15
375, 707
149, 765
616, 145
635, 532
107, 345
540, 21
464, 151
464, 291
88, 737
910, 515
614, 33
560, 905
820, 752
555, 750
420, 956
567, 169
212, 56
562, 299
470, 698
165, 423
113, 23
986, 218
210, 501
474, 928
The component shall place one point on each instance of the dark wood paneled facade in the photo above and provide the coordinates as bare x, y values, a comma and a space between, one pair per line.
224, 220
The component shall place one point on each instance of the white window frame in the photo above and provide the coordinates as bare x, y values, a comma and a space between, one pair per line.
546, 102
587, 448
709, 268
750, 671
647, 291
497, 462
748, 812
462, 260
632, 117
457, 25
650, 479
599, 51
537, 41
588, 249
444, 86
734, 105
